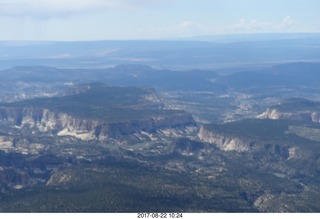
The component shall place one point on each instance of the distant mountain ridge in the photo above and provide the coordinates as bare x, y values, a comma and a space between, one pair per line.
121, 75
228, 51
291, 74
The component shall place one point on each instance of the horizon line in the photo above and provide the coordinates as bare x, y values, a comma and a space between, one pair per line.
191, 38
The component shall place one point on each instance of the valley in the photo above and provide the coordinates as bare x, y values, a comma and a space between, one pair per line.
145, 138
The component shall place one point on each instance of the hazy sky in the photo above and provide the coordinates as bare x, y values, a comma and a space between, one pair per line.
152, 19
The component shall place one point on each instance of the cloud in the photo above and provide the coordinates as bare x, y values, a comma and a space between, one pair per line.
249, 26
186, 28
190, 28
51, 8
288, 21
287, 24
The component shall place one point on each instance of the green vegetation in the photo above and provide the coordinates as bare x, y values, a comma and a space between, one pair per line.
169, 174
102, 102
253, 128
121, 186
272, 133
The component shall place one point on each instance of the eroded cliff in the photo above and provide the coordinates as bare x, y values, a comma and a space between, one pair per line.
306, 115
224, 142
63, 124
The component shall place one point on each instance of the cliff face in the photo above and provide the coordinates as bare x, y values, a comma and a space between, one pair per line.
300, 115
62, 124
6, 143
279, 158
224, 142
251, 146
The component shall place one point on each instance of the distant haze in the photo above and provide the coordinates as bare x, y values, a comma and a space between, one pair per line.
204, 52
75, 20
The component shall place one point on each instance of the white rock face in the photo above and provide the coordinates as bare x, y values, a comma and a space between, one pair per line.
85, 136
223, 142
263, 201
5, 143
45, 120
301, 115
49, 120
269, 114
292, 153
63, 124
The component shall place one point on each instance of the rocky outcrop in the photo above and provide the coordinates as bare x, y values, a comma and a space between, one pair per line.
62, 124
6, 143
59, 177
300, 115
225, 143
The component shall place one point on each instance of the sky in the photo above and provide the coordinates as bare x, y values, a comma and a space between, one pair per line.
81, 20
